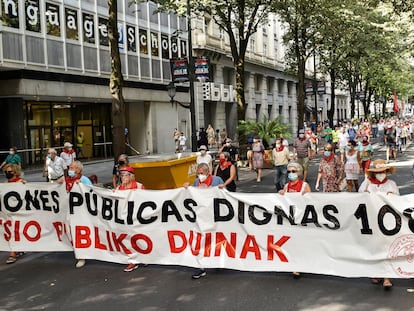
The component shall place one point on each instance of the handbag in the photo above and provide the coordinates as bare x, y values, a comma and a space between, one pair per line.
342, 184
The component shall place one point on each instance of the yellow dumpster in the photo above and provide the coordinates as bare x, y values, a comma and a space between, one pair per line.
165, 171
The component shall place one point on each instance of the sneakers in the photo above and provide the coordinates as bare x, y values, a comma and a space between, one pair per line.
131, 267
80, 263
199, 274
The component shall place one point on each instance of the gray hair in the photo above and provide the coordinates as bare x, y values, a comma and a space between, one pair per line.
226, 155
296, 165
78, 164
204, 167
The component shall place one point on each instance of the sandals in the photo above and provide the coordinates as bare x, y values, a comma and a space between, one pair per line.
13, 259
375, 281
387, 284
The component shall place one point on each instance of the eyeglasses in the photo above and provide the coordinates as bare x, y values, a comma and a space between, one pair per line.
292, 171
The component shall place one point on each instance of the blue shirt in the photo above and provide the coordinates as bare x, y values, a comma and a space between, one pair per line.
85, 180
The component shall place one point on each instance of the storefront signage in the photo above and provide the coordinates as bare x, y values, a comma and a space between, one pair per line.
309, 88
160, 44
202, 68
321, 88
218, 92
179, 69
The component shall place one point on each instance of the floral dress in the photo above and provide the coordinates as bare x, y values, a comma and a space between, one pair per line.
331, 170
258, 151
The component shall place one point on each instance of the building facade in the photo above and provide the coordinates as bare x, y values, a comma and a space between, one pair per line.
55, 69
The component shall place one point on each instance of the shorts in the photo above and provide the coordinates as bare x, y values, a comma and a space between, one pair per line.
392, 146
304, 162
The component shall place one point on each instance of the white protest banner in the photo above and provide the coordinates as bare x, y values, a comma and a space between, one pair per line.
33, 217
344, 234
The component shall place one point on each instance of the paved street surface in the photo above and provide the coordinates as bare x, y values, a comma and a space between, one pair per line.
50, 281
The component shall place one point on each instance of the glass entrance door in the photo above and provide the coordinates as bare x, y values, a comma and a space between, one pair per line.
39, 141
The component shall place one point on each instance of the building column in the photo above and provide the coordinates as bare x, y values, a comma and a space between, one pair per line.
250, 99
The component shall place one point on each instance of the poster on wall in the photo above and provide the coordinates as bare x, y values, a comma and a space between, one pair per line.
179, 69
71, 19
10, 13
32, 10
52, 19
88, 28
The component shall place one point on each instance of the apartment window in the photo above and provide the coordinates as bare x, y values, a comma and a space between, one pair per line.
270, 84
253, 45
258, 80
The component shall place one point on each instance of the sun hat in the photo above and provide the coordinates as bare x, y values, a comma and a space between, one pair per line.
379, 166
67, 145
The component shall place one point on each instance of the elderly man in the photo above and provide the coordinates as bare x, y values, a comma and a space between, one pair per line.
75, 176
204, 180
302, 152
68, 154
55, 167
281, 157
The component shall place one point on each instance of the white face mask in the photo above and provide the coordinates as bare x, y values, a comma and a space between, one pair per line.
202, 151
277, 146
202, 177
380, 177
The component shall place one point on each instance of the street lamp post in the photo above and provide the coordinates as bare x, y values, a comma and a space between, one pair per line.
315, 90
191, 75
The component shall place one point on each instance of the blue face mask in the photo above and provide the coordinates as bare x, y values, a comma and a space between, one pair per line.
326, 153
49, 156
293, 176
71, 173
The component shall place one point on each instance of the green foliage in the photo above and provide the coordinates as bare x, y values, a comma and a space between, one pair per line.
266, 129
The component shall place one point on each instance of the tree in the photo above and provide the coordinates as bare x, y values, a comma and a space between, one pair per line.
302, 18
116, 82
239, 19
266, 129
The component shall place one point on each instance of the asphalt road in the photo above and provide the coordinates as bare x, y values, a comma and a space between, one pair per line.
49, 281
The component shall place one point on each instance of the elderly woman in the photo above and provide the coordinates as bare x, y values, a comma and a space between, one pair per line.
295, 184
330, 171
257, 158
377, 181
128, 182
13, 173
226, 171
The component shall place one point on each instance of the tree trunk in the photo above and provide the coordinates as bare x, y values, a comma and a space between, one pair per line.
241, 99
331, 112
301, 93
119, 135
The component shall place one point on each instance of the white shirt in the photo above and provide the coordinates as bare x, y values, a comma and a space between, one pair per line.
343, 139
388, 186
68, 157
55, 168
182, 140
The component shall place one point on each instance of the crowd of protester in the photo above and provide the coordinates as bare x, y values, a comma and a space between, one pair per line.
345, 153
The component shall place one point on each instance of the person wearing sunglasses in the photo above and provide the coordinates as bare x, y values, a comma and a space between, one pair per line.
295, 184
13, 173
